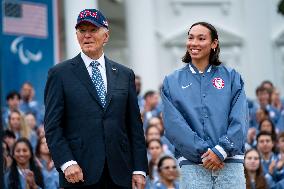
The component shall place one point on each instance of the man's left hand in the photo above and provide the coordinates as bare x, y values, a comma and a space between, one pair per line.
138, 181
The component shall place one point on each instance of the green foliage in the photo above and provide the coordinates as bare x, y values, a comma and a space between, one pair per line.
281, 7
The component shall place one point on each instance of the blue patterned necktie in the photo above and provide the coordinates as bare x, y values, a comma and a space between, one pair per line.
99, 82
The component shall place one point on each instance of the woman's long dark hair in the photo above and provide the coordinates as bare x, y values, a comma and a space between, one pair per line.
214, 54
260, 182
151, 162
14, 180
37, 149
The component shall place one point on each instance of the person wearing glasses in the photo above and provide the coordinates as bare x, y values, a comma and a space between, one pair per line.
167, 169
205, 114
92, 121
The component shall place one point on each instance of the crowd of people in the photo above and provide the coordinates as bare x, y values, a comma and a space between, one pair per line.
264, 144
27, 160
26, 155
264, 157
198, 133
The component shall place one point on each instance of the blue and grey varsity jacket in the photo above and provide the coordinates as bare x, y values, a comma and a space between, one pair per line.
205, 110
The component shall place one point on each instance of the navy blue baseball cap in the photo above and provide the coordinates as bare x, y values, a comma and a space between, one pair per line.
92, 16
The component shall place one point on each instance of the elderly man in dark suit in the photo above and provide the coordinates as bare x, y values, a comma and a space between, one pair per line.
92, 120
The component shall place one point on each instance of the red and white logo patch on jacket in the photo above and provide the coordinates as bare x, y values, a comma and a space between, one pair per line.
218, 83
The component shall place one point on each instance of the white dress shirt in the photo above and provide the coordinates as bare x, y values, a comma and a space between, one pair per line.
102, 67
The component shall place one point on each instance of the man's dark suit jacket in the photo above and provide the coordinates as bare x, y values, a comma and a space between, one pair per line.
78, 128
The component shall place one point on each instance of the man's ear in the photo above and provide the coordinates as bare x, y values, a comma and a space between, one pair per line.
106, 37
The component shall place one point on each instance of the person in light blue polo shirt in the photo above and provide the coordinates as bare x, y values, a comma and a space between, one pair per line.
205, 115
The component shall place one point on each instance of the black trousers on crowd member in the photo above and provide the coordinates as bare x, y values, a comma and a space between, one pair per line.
105, 182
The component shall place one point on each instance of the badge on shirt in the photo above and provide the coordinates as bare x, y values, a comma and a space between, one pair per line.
218, 83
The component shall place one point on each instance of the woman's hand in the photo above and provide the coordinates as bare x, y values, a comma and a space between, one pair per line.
30, 179
211, 161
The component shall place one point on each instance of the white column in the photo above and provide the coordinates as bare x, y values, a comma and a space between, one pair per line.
71, 10
140, 24
257, 28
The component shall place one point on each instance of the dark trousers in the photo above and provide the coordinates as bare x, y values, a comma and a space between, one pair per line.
105, 182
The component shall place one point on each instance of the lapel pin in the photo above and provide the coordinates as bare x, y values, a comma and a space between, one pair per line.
113, 69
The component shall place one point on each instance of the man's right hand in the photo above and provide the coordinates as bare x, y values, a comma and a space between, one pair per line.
74, 173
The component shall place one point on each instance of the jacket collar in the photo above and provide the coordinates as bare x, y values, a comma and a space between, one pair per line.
194, 70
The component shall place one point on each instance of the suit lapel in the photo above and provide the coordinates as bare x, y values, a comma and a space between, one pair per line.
81, 72
111, 73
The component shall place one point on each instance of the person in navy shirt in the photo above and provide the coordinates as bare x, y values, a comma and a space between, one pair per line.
205, 115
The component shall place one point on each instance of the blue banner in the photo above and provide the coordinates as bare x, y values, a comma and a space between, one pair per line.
28, 44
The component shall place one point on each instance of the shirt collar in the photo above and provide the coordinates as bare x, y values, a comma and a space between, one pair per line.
87, 60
